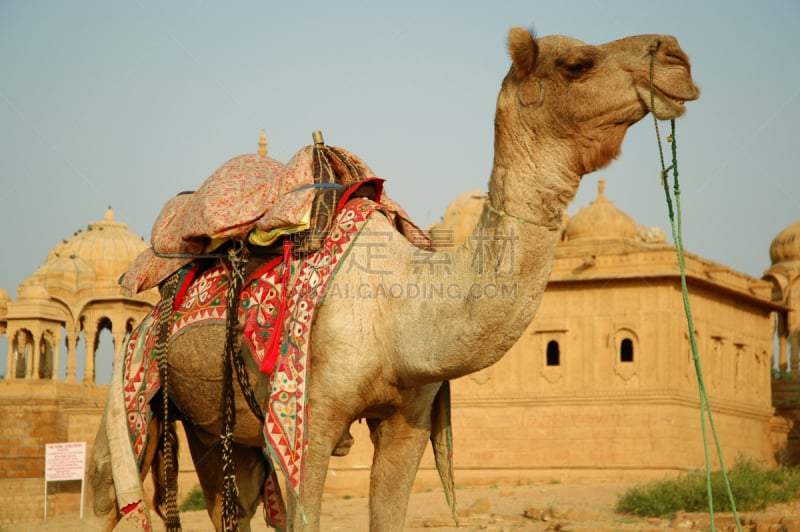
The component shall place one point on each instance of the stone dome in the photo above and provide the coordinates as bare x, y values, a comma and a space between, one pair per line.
91, 261
460, 218
600, 219
786, 246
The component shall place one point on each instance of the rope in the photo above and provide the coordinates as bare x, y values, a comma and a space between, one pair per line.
677, 230
503, 214
231, 508
172, 521
237, 256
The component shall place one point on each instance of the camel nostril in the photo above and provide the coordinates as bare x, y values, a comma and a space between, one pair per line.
675, 56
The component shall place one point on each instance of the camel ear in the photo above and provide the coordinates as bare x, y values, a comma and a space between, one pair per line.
523, 50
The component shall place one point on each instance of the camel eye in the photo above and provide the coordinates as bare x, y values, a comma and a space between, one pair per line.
579, 67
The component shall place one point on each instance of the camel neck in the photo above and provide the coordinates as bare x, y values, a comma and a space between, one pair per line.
551, 226
494, 282
531, 183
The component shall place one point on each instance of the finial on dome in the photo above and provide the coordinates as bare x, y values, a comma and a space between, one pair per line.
262, 144
109, 216
601, 186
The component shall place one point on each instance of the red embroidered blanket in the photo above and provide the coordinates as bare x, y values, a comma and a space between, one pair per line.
260, 307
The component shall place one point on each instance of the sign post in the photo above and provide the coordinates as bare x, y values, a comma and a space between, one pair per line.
64, 461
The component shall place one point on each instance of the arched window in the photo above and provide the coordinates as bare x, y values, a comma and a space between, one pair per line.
553, 353
626, 350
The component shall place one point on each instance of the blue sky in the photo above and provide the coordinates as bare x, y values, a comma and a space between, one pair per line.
127, 103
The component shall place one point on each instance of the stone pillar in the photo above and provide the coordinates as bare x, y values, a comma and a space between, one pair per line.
22, 347
56, 353
90, 336
783, 361
119, 343
34, 362
794, 342
72, 358
11, 362
782, 330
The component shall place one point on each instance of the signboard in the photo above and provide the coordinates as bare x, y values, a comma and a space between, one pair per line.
64, 461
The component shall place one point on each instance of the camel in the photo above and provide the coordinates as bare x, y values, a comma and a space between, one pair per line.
562, 111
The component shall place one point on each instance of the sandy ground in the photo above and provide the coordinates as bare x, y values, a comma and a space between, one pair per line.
577, 507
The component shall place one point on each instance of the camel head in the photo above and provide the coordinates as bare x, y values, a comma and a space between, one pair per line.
578, 100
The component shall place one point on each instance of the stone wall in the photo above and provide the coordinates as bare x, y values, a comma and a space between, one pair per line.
509, 440
37, 413
576, 439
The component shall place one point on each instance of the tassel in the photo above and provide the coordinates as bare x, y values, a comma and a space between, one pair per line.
274, 345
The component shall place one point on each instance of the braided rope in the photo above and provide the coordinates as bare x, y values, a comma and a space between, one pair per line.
238, 257
169, 287
231, 509
705, 405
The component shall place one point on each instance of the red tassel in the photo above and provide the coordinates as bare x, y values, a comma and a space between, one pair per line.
274, 345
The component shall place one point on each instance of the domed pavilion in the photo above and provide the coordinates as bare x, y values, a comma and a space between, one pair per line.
73, 294
784, 253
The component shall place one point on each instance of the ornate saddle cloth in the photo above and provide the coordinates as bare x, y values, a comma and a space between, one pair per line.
288, 361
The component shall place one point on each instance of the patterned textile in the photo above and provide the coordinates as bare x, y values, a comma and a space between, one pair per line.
227, 204
290, 204
140, 381
147, 270
249, 195
286, 422
135, 517
205, 302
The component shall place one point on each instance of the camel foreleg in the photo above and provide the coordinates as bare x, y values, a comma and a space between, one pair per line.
400, 442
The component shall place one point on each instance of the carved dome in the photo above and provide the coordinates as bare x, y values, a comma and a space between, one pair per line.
459, 219
600, 219
90, 262
786, 246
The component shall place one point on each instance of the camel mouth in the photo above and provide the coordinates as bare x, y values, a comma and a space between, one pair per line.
663, 105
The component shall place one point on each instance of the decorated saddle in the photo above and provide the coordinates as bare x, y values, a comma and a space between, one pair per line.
298, 222
256, 199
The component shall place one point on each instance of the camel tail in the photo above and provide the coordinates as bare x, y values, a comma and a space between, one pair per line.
442, 442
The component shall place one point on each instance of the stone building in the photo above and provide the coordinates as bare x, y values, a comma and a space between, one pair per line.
784, 273
601, 385
74, 295
67, 302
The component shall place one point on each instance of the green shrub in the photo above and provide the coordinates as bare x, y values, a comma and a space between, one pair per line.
194, 500
753, 486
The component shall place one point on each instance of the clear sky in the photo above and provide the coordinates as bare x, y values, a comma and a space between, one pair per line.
127, 103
